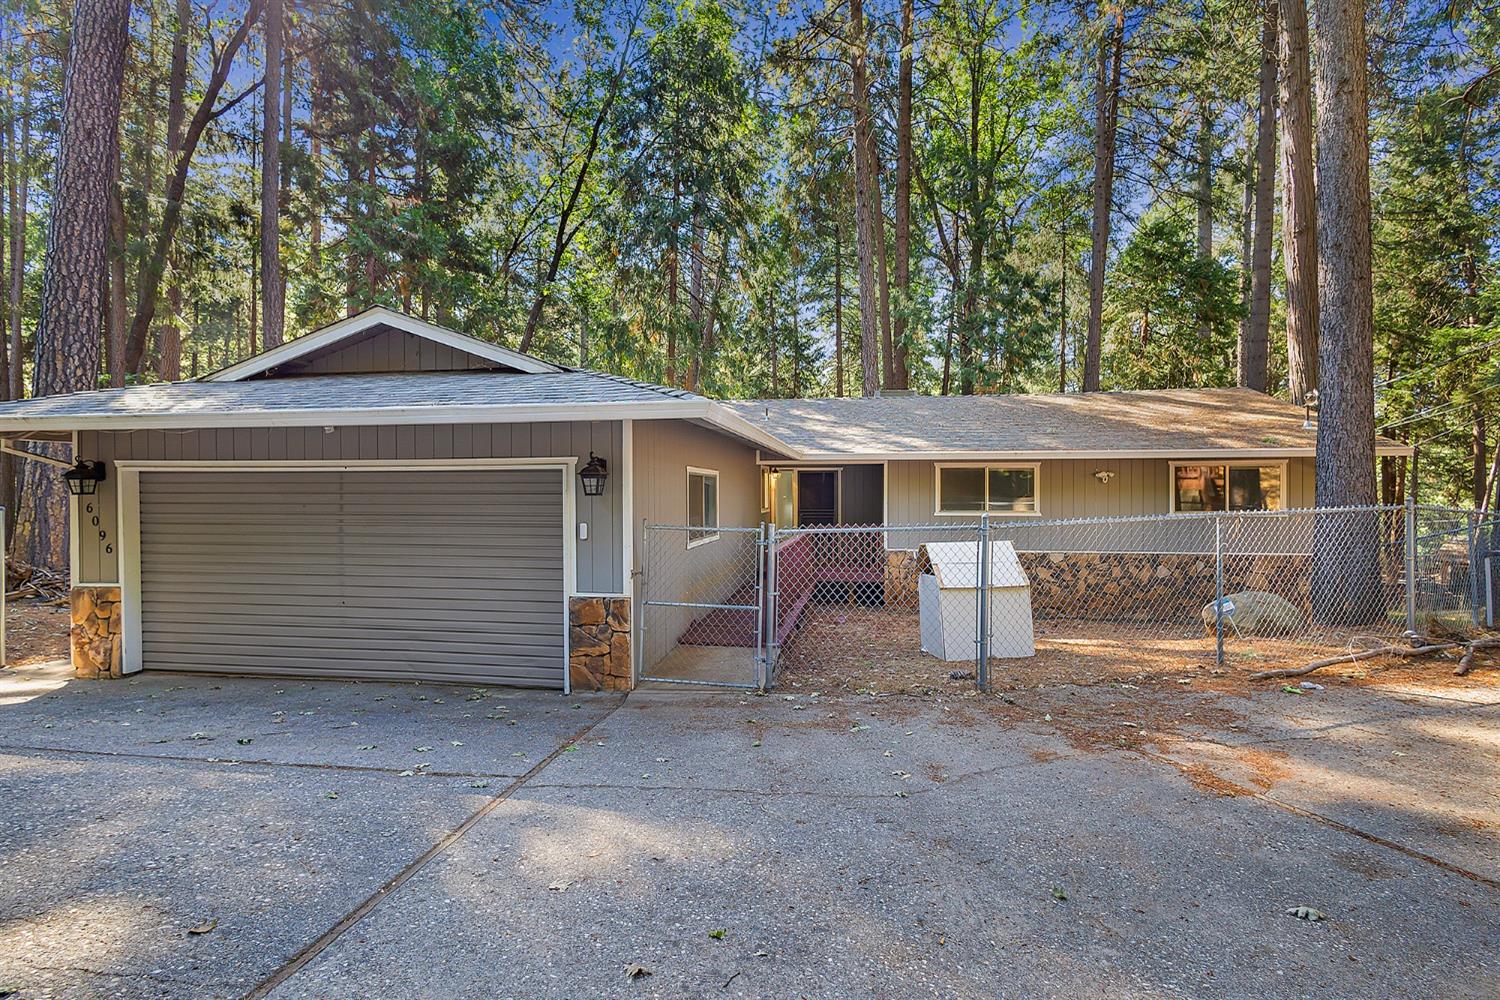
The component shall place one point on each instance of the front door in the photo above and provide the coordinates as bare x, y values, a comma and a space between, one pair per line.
818, 497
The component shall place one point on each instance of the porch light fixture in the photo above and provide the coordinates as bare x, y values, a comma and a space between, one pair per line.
83, 478
1104, 475
593, 475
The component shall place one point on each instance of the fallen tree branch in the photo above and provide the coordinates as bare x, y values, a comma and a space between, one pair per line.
1428, 647
1466, 662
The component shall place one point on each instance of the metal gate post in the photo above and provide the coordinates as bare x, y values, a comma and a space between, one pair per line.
1411, 564
773, 591
1489, 591
982, 674
762, 663
1473, 519
1219, 590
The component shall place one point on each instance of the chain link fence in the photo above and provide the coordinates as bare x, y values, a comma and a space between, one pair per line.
702, 606
1261, 587
739, 606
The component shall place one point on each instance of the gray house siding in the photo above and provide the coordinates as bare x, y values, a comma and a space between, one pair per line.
1069, 489
712, 571
599, 558
863, 494
385, 350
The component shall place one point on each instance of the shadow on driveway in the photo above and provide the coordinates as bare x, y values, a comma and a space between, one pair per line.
733, 846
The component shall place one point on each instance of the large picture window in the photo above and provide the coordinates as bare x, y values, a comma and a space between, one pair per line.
1234, 486
997, 489
702, 506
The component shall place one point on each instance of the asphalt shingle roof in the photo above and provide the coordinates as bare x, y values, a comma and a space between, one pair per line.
1182, 421
346, 392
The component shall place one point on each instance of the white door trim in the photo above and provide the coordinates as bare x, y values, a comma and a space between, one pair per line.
129, 500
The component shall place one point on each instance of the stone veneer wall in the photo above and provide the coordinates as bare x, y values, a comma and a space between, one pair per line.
599, 644
1121, 586
96, 635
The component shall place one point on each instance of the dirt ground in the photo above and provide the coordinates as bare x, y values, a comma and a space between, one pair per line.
35, 632
850, 650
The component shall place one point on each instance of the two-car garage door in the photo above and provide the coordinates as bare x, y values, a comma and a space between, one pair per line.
446, 575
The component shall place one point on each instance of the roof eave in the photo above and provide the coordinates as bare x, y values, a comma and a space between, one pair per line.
705, 410
1176, 454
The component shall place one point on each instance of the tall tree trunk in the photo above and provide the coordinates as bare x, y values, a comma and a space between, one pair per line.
273, 308
67, 336
708, 315
351, 214
372, 196
1481, 458
114, 314
866, 206
154, 266
1346, 563
1205, 193
18, 189
1106, 118
1255, 334
900, 363
169, 340
9, 361
673, 266
1299, 223
1062, 312
1247, 235
838, 307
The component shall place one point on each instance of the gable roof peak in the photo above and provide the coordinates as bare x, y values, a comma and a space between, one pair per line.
361, 323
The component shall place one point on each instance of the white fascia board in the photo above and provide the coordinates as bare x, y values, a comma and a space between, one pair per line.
359, 323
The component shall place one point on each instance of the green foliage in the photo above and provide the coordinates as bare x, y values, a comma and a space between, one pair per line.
1170, 315
664, 189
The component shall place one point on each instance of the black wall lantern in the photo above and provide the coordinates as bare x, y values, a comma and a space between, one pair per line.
593, 475
83, 478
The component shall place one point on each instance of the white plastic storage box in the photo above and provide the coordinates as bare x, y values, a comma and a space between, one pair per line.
948, 602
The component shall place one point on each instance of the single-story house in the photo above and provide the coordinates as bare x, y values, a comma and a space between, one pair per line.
386, 498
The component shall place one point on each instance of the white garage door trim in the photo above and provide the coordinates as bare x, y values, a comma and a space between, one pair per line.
130, 523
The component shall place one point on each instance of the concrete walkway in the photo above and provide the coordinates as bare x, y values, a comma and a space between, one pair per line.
167, 836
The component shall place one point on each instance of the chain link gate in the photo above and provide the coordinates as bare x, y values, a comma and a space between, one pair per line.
703, 606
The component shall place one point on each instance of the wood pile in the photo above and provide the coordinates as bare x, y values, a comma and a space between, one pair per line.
23, 580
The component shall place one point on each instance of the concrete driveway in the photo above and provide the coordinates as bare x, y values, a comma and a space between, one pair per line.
167, 836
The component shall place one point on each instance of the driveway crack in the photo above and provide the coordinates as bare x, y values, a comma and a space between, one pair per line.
305, 957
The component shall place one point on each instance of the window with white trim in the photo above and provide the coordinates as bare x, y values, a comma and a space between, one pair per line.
702, 506
1233, 486
996, 489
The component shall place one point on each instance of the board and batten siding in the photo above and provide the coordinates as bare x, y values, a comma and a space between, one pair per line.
386, 350
709, 572
1069, 489
600, 567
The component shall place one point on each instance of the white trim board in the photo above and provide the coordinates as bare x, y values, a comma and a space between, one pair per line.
354, 326
128, 499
